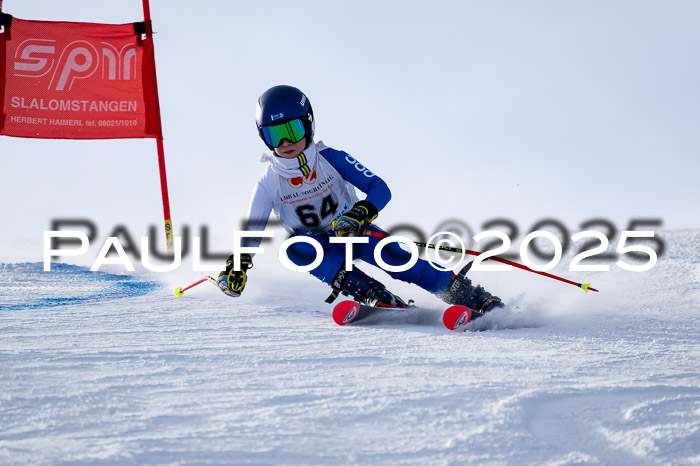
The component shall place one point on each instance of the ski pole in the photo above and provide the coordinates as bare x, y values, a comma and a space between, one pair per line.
181, 291
584, 286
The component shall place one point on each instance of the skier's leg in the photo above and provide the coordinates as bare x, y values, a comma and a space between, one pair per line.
451, 288
461, 291
331, 270
421, 273
363, 289
302, 253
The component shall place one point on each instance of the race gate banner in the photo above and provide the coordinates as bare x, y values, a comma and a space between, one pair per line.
77, 80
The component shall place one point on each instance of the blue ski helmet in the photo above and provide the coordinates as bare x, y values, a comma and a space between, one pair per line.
284, 104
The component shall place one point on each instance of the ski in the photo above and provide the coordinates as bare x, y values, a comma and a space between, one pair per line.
456, 318
346, 312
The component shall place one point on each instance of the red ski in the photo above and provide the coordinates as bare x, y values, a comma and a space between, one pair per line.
456, 318
348, 311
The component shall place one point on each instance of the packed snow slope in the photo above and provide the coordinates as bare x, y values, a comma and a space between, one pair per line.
107, 368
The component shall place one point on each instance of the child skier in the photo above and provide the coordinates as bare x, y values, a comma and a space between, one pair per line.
311, 189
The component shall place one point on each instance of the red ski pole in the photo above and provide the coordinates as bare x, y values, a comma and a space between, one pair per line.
181, 291
584, 286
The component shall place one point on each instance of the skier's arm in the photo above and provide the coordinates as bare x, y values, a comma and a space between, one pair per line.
258, 212
354, 221
377, 191
230, 281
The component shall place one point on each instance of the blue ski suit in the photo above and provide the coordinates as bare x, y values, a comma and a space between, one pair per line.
309, 192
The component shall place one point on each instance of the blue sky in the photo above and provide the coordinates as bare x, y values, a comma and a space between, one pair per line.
475, 110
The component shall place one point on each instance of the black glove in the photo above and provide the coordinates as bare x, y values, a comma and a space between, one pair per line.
232, 282
354, 221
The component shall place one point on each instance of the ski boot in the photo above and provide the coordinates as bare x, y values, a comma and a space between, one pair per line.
364, 289
461, 292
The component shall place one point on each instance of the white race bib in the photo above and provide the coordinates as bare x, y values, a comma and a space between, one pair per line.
309, 204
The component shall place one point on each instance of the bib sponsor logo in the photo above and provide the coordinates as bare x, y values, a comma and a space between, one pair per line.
300, 181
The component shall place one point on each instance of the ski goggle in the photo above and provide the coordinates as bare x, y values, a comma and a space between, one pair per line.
292, 130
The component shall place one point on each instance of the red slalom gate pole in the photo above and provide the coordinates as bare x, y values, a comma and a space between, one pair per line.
168, 224
146, 10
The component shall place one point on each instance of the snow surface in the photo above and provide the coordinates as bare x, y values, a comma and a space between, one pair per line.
109, 368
